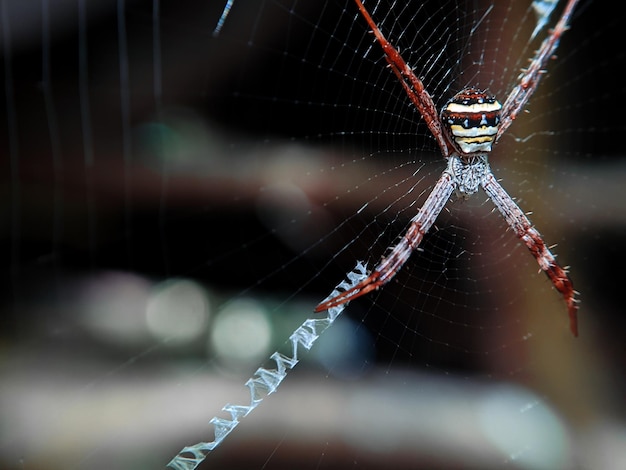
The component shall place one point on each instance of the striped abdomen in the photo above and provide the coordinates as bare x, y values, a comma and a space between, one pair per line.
471, 119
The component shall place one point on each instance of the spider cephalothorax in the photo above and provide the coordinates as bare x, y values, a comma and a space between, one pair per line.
471, 120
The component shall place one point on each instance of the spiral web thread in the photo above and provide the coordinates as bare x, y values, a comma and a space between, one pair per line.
266, 381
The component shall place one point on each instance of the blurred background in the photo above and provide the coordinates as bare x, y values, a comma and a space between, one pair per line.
174, 203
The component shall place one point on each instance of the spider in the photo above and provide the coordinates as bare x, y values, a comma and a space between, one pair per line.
466, 129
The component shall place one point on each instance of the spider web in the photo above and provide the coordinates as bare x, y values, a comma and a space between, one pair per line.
176, 201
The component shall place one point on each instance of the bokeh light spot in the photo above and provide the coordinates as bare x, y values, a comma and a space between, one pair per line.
241, 334
178, 310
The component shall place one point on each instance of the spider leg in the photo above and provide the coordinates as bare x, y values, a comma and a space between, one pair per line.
529, 79
524, 230
412, 85
400, 253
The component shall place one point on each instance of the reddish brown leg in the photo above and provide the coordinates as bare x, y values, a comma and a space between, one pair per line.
412, 85
391, 264
532, 238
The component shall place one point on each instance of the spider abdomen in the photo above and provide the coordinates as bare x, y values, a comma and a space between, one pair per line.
471, 119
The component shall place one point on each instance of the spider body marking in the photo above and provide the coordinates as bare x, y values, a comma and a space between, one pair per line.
466, 130
471, 120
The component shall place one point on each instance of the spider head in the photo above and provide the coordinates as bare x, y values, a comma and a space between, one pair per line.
471, 120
